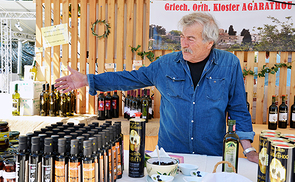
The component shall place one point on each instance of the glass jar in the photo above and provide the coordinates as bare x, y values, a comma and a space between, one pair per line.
13, 135
9, 170
4, 136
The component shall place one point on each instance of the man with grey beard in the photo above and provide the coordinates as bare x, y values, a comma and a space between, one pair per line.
199, 85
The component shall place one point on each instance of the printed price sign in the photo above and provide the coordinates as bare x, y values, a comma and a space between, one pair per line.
137, 62
55, 35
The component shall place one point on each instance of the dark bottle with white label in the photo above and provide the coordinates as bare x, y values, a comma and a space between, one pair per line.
34, 160
230, 147
101, 106
145, 107
48, 161
273, 115
74, 162
283, 113
292, 115
21, 159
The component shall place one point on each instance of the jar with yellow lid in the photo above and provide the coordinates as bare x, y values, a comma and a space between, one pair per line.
4, 135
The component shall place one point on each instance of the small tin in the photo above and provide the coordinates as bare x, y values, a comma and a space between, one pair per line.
271, 132
281, 164
136, 147
263, 155
287, 136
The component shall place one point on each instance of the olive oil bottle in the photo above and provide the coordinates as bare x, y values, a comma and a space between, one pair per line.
16, 101
230, 147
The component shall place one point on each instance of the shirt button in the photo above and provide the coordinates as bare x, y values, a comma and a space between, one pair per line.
193, 152
192, 138
193, 102
192, 121
197, 85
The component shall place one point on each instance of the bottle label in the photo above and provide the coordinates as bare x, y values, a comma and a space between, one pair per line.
46, 172
283, 117
60, 171
110, 164
114, 103
273, 118
101, 172
74, 171
108, 105
3, 136
8, 175
126, 109
106, 165
1, 173
132, 113
118, 161
293, 116
32, 172
150, 110
230, 154
114, 161
101, 105
88, 172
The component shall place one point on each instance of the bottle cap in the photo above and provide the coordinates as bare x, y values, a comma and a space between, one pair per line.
74, 146
48, 145
22, 142
94, 143
61, 145
35, 144
231, 122
87, 147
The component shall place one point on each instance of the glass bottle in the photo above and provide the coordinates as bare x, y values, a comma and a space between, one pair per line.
151, 112
121, 143
88, 162
230, 147
57, 102
52, 101
63, 105
283, 113
16, 101
34, 159
248, 105
69, 103
101, 106
108, 105
61, 161
115, 105
43, 106
292, 115
95, 156
145, 107
48, 161
73, 101
74, 162
21, 159
126, 105
47, 99
33, 71
273, 115
133, 104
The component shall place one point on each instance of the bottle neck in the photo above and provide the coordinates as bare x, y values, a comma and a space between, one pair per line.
231, 128
273, 100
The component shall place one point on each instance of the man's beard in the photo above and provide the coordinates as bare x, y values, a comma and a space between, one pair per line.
187, 50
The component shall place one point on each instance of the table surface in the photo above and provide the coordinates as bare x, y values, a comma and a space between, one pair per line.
205, 163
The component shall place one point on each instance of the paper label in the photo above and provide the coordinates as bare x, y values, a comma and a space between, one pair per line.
88, 172
273, 118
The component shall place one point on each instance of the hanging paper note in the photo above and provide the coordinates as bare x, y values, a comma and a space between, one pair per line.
55, 35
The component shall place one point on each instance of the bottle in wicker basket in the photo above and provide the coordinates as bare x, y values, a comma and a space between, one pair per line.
230, 147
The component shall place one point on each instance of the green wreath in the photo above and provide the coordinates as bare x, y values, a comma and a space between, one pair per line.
106, 33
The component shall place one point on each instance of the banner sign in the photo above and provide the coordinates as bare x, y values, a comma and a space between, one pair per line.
55, 35
244, 25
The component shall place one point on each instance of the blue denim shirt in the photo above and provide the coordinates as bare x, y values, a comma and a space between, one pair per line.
192, 120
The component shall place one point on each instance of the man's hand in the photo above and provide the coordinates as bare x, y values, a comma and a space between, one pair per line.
73, 81
252, 156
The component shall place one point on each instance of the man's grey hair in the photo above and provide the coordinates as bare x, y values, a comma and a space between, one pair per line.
210, 27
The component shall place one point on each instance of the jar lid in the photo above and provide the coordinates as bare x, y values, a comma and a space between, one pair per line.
14, 133
3, 123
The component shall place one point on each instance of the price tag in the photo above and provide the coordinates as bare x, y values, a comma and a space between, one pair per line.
38, 49
109, 65
137, 62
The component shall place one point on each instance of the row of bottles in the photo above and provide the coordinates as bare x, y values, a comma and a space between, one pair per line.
140, 103
55, 103
278, 116
108, 105
87, 153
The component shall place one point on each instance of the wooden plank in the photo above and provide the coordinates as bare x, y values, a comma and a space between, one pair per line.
249, 79
283, 77
129, 35
157, 95
39, 22
240, 55
139, 26
48, 50
110, 39
102, 41
56, 49
92, 51
74, 34
120, 45
146, 29
292, 84
260, 90
81, 93
65, 47
271, 81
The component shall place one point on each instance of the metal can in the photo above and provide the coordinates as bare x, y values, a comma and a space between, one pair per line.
271, 132
263, 156
287, 136
136, 147
292, 141
281, 162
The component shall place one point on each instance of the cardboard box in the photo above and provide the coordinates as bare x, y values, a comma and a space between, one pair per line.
29, 107
28, 89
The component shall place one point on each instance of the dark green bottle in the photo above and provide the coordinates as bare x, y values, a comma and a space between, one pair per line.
273, 115
48, 161
292, 115
283, 113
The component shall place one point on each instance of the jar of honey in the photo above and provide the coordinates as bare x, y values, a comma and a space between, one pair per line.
4, 135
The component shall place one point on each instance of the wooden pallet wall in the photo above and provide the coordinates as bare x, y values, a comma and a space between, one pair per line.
129, 22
